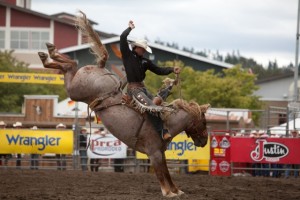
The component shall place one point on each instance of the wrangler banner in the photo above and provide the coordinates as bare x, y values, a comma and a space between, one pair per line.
265, 150
183, 148
36, 141
11, 77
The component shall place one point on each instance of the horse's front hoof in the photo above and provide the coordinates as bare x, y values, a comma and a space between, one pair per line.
180, 192
171, 195
43, 56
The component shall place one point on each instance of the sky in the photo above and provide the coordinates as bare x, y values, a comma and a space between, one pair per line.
262, 30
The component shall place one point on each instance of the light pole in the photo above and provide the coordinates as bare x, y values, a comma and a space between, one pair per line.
296, 58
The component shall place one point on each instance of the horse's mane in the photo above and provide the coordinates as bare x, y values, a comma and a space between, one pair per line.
97, 48
191, 107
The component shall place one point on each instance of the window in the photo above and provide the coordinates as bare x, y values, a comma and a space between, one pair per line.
282, 118
2, 39
29, 39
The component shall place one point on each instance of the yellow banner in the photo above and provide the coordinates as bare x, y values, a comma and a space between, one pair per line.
36, 141
198, 165
183, 148
11, 77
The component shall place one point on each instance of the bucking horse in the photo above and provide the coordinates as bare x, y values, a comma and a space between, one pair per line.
102, 91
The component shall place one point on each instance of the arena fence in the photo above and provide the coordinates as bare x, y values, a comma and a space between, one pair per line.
265, 120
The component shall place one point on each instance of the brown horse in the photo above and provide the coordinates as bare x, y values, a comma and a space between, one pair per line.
100, 89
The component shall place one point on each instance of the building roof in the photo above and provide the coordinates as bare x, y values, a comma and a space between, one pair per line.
274, 78
69, 18
153, 45
50, 17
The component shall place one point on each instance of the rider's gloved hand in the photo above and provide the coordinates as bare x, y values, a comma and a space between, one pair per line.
177, 70
131, 24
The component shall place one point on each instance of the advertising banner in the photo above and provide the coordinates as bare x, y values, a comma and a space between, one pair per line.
183, 148
220, 155
265, 150
36, 141
105, 146
12, 77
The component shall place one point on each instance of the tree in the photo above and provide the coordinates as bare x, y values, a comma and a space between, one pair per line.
233, 88
12, 94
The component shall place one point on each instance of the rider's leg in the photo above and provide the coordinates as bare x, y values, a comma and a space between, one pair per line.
144, 97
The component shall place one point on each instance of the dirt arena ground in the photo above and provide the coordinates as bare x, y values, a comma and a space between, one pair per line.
50, 185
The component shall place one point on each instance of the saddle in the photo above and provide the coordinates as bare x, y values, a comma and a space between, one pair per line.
141, 103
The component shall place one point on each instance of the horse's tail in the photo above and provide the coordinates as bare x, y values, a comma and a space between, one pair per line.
97, 48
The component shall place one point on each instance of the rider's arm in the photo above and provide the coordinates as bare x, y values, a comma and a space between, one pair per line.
124, 44
158, 70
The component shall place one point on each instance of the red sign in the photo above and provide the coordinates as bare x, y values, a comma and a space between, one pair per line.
220, 155
265, 150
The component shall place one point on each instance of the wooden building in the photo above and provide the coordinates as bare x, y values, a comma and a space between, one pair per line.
40, 111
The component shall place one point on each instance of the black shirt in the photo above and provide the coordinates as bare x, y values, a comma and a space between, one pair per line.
82, 140
136, 66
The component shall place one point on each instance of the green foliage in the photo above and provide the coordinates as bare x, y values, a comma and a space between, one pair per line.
231, 89
12, 94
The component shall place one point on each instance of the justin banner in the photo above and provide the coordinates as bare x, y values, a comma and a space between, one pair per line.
183, 148
265, 150
105, 146
36, 141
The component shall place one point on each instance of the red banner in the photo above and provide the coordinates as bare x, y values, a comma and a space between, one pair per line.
220, 155
265, 150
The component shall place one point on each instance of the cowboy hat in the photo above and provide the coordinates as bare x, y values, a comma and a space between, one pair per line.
83, 129
61, 125
142, 43
2, 123
17, 124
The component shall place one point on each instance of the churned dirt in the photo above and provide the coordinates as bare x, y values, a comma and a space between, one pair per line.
48, 185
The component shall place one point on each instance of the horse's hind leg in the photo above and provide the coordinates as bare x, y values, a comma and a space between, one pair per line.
44, 58
55, 55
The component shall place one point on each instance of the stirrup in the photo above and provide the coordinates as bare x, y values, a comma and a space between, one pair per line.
166, 136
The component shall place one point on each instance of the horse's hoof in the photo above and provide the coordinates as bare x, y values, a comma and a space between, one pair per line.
50, 47
171, 194
180, 192
42, 55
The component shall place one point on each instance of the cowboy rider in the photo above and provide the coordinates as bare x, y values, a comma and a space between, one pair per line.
136, 66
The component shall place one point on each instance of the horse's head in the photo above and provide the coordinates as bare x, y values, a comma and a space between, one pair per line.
196, 126
197, 129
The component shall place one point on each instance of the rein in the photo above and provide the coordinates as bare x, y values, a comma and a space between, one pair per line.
178, 81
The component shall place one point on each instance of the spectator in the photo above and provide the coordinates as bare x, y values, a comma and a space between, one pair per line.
61, 158
257, 171
34, 158
18, 125
293, 167
276, 173
4, 157
82, 148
